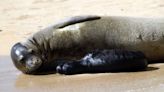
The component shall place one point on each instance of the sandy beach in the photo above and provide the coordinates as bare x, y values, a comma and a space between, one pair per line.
21, 18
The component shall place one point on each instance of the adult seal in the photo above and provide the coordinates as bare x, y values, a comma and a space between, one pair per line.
74, 37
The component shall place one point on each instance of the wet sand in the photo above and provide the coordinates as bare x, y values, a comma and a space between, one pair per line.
20, 18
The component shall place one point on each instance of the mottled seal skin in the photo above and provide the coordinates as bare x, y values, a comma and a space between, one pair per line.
101, 61
75, 37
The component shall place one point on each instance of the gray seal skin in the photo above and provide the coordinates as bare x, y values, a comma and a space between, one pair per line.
79, 35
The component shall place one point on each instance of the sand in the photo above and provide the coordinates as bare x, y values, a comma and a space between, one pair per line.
21, 18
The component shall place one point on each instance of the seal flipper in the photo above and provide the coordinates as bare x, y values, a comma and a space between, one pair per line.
75, 19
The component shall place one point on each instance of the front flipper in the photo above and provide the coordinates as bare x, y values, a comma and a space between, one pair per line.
105, 61
73, 67
75, 19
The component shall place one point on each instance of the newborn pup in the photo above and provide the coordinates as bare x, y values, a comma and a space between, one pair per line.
105, 61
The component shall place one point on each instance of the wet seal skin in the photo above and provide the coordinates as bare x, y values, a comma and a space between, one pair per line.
73, 38
101, 61
25, 59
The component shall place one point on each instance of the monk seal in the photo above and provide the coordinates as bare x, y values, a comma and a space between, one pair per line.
74, 37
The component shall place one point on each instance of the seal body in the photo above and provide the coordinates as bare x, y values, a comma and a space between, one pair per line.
77, 36
143, 34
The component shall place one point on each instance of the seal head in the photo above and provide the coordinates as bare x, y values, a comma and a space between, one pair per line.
25, 59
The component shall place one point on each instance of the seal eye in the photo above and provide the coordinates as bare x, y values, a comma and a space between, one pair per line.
30, 50
21, 57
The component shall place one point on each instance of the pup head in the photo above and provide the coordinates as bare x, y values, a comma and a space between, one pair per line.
26, 60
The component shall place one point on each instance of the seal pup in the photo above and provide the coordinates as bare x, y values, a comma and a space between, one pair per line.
101, 61
75, 37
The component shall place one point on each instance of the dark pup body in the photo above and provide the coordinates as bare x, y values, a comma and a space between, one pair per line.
105, 61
